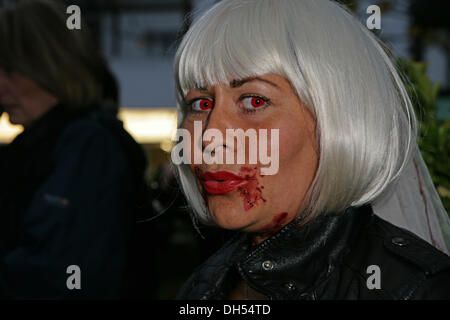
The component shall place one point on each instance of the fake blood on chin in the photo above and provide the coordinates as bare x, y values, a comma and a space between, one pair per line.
251, 192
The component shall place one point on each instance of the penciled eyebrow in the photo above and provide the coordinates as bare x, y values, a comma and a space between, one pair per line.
236, 83
239, 82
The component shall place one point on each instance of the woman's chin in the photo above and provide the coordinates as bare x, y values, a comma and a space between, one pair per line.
232, 217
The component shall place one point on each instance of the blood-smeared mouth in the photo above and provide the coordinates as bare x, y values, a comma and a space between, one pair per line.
221, 182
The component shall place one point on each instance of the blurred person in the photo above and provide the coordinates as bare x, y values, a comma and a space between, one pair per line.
326, 225
72, 181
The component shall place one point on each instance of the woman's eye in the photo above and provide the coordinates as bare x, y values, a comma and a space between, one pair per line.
202, 104
253, 103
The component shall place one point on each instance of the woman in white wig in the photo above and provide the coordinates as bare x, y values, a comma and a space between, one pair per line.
350, 212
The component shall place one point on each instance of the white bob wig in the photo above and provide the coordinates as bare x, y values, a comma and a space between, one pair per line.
365, 120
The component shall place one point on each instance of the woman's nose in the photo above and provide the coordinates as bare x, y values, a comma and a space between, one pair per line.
216, 123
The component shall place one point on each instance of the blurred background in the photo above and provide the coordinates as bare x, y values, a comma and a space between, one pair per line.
139, 39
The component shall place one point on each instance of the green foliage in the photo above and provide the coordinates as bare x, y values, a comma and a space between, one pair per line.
434, 135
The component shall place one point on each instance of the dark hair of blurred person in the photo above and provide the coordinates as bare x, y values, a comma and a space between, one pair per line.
35, 42
72, 181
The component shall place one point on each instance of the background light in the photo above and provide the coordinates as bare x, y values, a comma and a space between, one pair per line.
145, 125
7, 130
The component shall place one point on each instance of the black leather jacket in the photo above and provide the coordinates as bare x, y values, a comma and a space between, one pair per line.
334, 256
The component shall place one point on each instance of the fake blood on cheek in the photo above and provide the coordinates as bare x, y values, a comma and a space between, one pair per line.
251, 192
277, 223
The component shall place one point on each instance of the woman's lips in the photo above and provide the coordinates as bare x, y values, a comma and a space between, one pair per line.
221, 182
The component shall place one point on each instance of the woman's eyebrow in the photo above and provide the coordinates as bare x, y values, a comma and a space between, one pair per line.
239, 82
204, 89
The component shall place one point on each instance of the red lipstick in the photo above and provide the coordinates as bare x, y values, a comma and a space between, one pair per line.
221, 182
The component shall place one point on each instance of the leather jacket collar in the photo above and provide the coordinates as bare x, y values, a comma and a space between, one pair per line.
272, 267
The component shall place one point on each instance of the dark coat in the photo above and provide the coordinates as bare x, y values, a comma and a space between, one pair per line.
328, 258
69, 188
